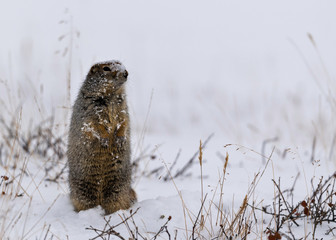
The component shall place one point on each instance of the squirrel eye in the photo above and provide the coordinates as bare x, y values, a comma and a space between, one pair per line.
107, 69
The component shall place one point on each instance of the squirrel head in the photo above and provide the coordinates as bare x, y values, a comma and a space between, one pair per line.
104, 79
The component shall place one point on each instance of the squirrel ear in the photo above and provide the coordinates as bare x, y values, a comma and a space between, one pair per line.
94, 69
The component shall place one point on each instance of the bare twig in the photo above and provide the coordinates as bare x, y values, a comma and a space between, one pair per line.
263, 146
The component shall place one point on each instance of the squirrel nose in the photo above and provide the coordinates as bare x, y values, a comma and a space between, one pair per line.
125, 74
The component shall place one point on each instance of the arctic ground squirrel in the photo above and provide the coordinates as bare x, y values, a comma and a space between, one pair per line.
99, 142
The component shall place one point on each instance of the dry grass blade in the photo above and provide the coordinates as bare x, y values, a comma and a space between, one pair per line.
201, 224
190, 162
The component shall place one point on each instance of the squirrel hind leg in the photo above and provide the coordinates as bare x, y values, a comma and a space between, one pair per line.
83, 195
133, 196
124, 200
81, 205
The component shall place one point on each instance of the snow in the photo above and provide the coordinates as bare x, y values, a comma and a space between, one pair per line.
259, 75
87, 128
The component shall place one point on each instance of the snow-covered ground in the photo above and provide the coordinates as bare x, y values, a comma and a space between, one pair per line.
258, 74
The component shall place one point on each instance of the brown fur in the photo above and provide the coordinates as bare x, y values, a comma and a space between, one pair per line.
99, 142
